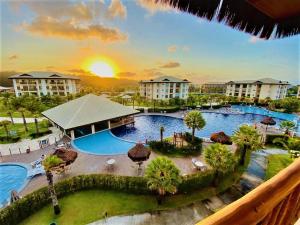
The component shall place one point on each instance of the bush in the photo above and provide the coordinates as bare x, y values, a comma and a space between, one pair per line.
167, 109
196, 181
271, 137
141, 110
40, 134
11, 139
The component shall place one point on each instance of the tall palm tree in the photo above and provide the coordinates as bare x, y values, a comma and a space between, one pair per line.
22, 111
194, 120
9, 113
162, 129
163, 176
220, 159
49, 163
247, 139
36, 124
5, 124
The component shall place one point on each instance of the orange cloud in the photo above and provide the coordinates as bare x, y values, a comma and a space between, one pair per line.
13, 57
116, 8
50, 27
154, 6
170, 65
126, 74
172, 48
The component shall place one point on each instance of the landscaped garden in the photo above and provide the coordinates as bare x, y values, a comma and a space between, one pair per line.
276, 163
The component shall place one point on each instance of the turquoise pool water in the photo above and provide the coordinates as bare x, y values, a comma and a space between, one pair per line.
102, 143
12, 177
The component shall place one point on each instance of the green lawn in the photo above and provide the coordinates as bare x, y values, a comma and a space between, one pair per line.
20, 130
276, 163
88, 206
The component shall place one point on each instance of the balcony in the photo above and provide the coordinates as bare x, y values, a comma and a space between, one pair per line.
277, 201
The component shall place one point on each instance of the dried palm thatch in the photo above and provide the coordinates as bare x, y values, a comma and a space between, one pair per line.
139, 153
67, 155
262, 18
221, 137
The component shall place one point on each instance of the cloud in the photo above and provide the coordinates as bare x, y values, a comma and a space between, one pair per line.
116, 8
80, 72
58, 9
13, 57
254, 39
152, 6
50, 27
170, 64
153, 72
172, 48
126, 74
185, 48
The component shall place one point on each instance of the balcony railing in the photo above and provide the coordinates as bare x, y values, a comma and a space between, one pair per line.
123, 121
277, 202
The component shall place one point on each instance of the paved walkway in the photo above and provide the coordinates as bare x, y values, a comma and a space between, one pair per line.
32, 144
20, 119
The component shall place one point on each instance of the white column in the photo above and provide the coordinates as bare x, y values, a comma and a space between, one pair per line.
109, 124
15, 87
93, 128
72, 135
44, 87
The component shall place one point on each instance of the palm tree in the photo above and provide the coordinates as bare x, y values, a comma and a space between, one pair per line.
36, 124
194, 120
49, 163
4, 124
287, 126
162, 129
9, 113
22, 110
163, 176
220, 159
248, 139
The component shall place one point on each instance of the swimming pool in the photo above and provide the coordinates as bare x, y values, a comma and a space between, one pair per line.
148, 126
102, 143
12, 177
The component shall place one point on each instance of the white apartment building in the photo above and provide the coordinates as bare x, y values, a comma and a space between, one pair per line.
44, 83
164, 88
258, 89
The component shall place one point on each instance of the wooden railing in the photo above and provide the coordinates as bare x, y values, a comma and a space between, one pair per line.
275, 202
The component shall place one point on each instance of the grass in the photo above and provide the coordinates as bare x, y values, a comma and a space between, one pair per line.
4, 111
91, 205
276, 163
20, 130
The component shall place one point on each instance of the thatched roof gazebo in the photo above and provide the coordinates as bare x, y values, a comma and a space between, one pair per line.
67, 155
268, 121
139, 153
262, 18
221, 137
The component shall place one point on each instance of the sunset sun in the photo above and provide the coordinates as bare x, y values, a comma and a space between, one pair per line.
102, 69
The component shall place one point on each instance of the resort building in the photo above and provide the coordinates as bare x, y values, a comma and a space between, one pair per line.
89, 114
213, 88
258, 89
44, 83
164, 88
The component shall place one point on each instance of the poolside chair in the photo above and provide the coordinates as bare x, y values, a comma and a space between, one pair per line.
36, 171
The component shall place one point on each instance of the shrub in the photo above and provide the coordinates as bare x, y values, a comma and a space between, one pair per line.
40, 134
196, 181
270, 138
141, 110
167, 109
11, 139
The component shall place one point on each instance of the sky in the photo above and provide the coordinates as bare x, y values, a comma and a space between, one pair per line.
139, 40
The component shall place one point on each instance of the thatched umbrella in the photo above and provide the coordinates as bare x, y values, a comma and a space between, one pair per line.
139, 153
221, 137
268, 121
67, 155
264, 18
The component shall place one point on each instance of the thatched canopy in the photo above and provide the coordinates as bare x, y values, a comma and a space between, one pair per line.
67, 155
268, 121
221, 137
262, 18
139, 153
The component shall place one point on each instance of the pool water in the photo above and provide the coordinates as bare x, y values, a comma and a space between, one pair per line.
12, 177
148, 127
102, 143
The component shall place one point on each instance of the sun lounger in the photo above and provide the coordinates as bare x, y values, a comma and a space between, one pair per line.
36, 171
198, 164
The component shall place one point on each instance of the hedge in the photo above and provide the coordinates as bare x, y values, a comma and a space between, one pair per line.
29, 204
11, 139
271, 137
162, 109
40, 134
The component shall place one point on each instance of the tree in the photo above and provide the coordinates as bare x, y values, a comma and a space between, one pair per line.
49, 163
22, 110
162, 129
163, 176
287, 126
194, 120
5, 124
220, 159
247, 139
9, 113
290, 104
36, 124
